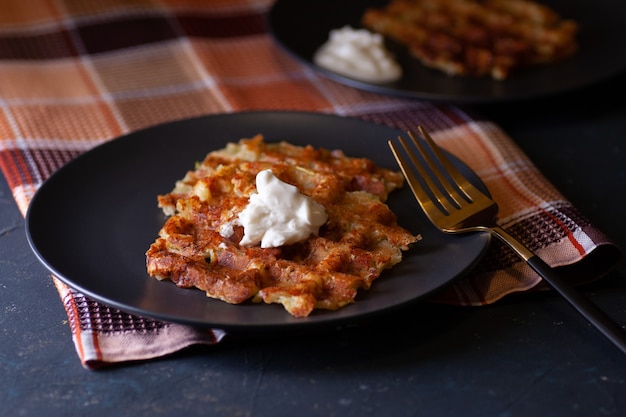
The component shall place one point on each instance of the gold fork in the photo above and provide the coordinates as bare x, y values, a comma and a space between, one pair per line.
454, 205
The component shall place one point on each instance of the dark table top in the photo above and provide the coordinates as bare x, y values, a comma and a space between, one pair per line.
529, 355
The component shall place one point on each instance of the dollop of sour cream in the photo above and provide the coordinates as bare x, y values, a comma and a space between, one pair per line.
359, 54
278, 214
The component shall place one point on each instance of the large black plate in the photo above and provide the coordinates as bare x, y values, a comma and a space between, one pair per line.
92, 221
302, 26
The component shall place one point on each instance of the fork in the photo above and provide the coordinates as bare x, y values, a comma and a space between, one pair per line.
454, 205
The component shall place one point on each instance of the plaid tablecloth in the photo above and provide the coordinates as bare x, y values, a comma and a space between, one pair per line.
75, 74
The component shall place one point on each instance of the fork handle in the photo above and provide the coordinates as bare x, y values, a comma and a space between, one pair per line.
598, 318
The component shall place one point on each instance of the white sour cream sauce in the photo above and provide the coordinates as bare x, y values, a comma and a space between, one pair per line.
359, 54
278, 214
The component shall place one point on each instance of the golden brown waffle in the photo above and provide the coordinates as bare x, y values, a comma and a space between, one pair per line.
360, 239
476, 37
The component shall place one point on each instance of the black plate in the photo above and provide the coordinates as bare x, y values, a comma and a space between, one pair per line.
92, 221
302, 26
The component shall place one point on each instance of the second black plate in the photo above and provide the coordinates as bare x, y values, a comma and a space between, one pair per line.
302, 26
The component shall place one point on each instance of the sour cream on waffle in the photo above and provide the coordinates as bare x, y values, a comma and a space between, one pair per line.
359, 54
278, 214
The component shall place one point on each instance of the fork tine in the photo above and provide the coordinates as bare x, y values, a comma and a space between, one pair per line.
431, 169
433, 163
426, 177
462, 184
431, 210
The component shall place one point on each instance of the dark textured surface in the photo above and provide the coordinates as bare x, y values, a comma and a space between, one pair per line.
525, 356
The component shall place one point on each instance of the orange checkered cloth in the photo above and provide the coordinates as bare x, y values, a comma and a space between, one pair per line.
74, 75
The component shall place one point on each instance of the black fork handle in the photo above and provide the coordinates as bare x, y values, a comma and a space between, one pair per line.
598, 318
